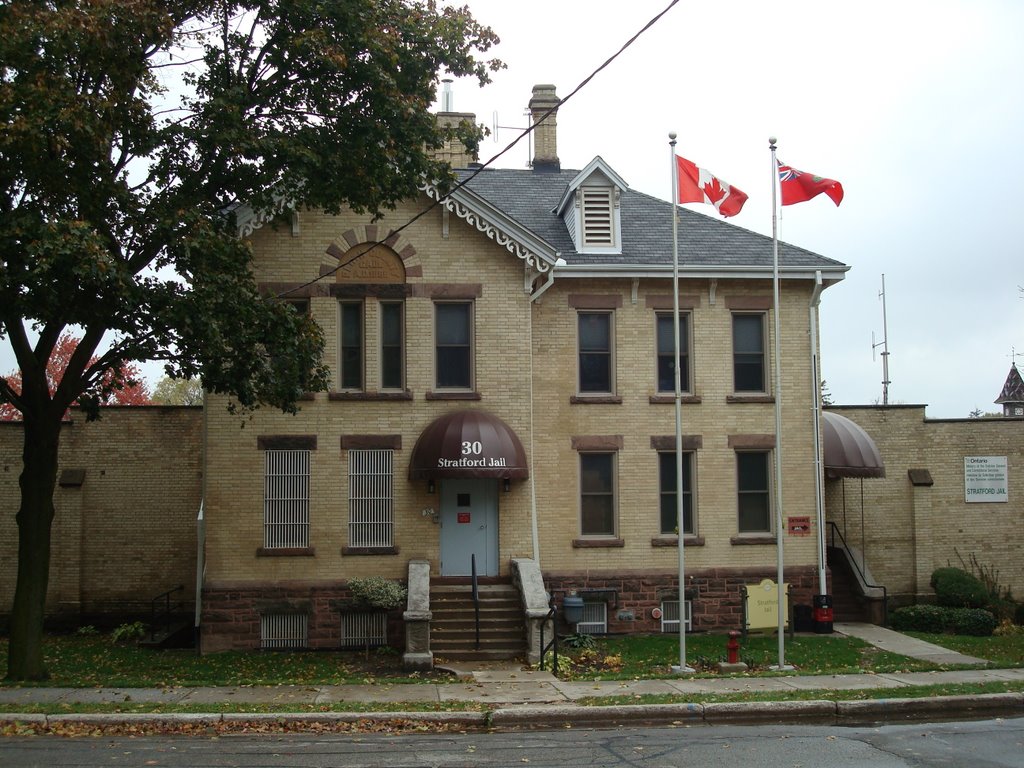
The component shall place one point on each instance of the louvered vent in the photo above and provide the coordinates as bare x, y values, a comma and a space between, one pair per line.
598, 221
670, 616
595, 619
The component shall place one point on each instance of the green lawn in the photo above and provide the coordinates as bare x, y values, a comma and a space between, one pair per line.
85, 661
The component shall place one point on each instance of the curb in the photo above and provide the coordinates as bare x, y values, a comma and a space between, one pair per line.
847, 713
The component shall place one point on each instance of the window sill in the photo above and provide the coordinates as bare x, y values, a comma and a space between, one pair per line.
358, 551
673, 541
368, 396
454, 395
596, 400
597, 543
686, 399
749, 399
753, 538
286, 552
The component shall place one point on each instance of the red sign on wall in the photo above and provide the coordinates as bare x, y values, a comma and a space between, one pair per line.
799, 526
462, 517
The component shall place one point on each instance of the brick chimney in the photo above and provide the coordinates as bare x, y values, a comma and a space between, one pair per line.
454, 151
545, 143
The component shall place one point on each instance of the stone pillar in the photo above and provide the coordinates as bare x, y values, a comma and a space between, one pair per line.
528, 578
417, 616
921, 521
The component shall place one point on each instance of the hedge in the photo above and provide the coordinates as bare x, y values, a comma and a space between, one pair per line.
938, 619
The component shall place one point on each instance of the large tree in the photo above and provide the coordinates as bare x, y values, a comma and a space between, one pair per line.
133, 129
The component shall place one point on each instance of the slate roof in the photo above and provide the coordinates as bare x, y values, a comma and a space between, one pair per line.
530, 197
1013, 389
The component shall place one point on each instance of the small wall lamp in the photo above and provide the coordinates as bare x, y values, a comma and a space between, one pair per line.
430, 486
507, 485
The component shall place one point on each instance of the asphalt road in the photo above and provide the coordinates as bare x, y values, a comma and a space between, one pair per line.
979, 744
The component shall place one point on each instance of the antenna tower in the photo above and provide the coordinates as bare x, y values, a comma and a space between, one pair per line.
884, 344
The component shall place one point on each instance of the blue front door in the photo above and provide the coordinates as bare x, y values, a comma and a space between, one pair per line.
469, 526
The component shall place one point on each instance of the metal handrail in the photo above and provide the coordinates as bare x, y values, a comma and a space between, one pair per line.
476, 599
161, 617
863, 579
551, 616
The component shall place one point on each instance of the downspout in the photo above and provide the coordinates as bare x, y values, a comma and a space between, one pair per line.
819, 476
534, 531
201, 528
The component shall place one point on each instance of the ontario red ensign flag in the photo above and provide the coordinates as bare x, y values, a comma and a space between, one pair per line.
697, 185
796, 186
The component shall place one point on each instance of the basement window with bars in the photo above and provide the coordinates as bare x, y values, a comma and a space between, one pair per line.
670, 615
363, 629
371, 503
286, 499
595, 618
284, 630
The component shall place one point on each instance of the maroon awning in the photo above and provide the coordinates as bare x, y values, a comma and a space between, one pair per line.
849, 450
470, 443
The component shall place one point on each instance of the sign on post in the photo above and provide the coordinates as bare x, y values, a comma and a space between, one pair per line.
762, 606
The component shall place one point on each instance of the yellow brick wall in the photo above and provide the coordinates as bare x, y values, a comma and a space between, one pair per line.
909, 531
521, 388
128, 531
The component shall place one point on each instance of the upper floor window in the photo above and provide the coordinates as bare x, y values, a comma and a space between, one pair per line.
748, 353
754, 491
595, 352
453, 330
392, 345
667, 489
666, 352
352, 340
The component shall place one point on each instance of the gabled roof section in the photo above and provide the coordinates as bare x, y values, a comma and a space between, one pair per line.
708, 247
1013, 389
597, 165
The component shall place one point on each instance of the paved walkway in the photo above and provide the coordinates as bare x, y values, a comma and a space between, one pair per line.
896, 642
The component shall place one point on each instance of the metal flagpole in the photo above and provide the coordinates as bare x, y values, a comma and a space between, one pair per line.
680, 530
778, 412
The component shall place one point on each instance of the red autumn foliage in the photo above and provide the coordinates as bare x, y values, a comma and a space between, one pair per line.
132, 392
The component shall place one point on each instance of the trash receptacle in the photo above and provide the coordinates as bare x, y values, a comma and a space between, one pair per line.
823, 614
803, 618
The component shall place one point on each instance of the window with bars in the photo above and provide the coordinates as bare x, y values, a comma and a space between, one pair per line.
371, 521
595, 619
364, 628
284, 630
670, 615
286, 499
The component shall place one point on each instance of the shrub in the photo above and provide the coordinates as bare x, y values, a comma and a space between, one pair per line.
972, 621
937, 619
136, 630
955, 588
919, 618
1008, 629
377, 592
580, 641
1018, 614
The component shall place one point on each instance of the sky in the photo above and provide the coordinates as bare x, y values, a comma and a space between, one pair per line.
916, 107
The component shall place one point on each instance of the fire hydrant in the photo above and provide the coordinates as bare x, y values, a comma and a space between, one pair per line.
733, 647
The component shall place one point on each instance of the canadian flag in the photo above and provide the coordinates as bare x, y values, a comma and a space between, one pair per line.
698, 185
